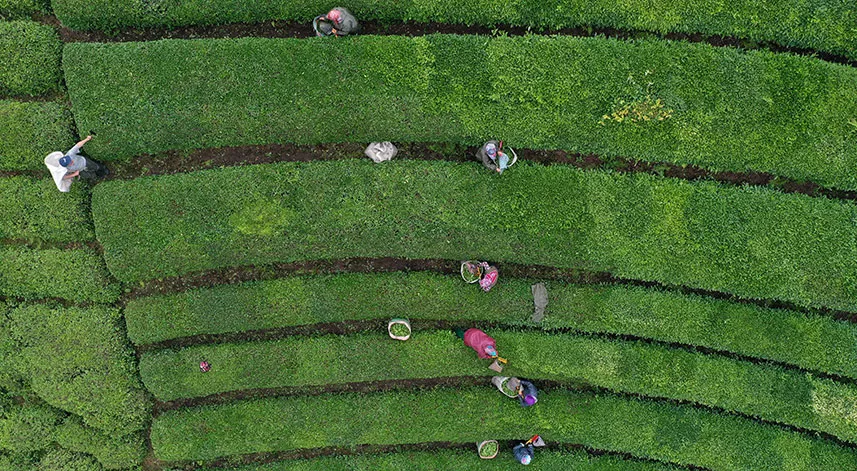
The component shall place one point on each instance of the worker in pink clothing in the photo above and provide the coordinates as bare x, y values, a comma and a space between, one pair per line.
480, 341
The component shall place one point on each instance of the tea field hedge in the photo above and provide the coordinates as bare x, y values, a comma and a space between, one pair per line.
666, 432
810, 341
826, 25
31, 431
18, 9
460, 460
111, 450
33, 209
750, 242
27, 428
77, 360
12, 381
302, 300
31, 54
76, 275
730, 110
64, 460
30, 131
770, 393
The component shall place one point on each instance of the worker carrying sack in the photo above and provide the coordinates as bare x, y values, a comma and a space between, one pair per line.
58, 171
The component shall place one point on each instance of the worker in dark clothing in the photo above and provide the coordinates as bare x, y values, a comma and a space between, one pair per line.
527, 393
523, 453
337, 22
492, 158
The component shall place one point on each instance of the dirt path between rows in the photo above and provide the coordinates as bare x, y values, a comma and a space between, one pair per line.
242, 274
350, 327
291, 29
189, 161
505, 446
465, 382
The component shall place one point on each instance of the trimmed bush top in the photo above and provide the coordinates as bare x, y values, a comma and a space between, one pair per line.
810, 341
666, 432
77, 275
771, 393
33, 209
750, 242
77, 359
30, 53
30, 131
459, 460
825, 25
730, 110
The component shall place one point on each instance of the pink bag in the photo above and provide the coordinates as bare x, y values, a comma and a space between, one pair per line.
489, 279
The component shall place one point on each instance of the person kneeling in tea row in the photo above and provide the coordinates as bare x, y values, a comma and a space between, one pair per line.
337, 22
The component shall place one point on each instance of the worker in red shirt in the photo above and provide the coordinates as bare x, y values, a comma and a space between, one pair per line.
480, 341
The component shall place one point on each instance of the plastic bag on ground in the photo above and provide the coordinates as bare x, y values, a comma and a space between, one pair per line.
540, 300
381, 151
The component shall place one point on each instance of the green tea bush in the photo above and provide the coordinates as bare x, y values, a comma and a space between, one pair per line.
111, 451
666, 432
33, 209
750, 242
826, 25
30, 131
27, 428
810, 341
64, 460
76, 275
12, 380
459, 460
767, 392
30, 53
77, 360
733, 110
319, 299
17, 9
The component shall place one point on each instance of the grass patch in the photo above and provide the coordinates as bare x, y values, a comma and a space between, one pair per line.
827, 25
33, 209
76, 275
746, 241
735, 111
77, 360
29, 131
770, 393
665, 432
31, 54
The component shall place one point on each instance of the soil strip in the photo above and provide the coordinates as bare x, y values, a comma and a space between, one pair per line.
235, 275
57, 95
173, 162
291, 29
469, 381
376, 325
23, 173
52, 301
309, 453
44, 244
